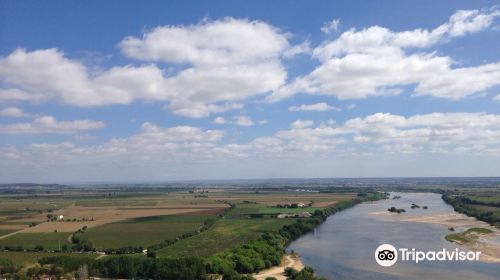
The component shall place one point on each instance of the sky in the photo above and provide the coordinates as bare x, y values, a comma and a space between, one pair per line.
117, 91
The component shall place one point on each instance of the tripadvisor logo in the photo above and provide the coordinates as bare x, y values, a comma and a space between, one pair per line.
387, 255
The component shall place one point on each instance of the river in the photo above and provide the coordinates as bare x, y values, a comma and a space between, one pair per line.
343, 246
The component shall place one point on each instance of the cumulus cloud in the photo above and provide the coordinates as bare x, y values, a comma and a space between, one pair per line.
319, 107
351, 106
436, 131
331, 26
219, 120
13, 112
43, 75
238, 120
166, 149
221, 63
301, 124
243, 121
377, 61
380, 133
210, 43
154, 139
151, 144
48, 124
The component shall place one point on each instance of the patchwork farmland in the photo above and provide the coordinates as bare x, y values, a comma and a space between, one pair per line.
193, 222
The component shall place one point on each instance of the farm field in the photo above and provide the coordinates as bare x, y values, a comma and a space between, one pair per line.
487, 198
6, 231
144, 231
121, 219
27, 258
243, 223
49, 240
226, 233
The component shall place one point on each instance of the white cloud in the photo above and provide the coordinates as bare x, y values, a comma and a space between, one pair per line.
377, 61
48, 124
210, 43
440, 131
221, 63
497, 97
380, 133
243, 121
331, 26
301, 124
43, 75
319, 107
153, 139
156, 151
219, 120
351, 106
238, 120
13, 112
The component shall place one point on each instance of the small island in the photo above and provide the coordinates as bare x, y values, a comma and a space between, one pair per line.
414, 206
396, 210
467, 236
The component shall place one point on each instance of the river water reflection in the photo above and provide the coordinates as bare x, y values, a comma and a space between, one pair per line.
343, 247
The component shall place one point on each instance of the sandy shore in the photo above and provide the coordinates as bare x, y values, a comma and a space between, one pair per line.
292, 260
488, 245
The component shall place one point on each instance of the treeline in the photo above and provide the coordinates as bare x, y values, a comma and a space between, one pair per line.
126, 267
465, 206
468, 200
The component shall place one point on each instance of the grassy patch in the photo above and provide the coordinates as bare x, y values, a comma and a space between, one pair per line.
49, 240
466, 236
143, 231
114, 202
6, 231
485, 198
226, 233
24, 258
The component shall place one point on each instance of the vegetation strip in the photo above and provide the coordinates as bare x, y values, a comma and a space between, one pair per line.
486, 210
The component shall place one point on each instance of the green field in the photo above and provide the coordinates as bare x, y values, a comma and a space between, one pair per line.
114, 202
6, 231
143, 231
485, 198
49, 240
23, 258
226, 233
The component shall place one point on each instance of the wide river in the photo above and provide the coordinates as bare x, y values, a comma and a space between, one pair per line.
343, 246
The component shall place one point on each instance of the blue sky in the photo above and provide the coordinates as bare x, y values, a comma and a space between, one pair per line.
126, 90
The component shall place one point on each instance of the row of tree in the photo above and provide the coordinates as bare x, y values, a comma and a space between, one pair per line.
465, 206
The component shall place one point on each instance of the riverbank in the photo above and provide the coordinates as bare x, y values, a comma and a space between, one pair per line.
290, 260
487, 244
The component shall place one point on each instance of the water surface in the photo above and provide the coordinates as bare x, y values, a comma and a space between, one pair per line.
343, 247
